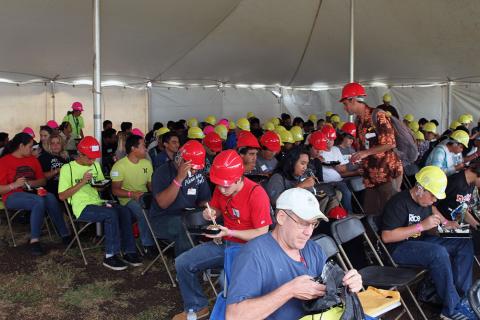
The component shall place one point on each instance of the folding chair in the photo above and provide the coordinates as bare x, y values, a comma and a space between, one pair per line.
146, 202
77, 232
474, 298
380, 276
329, 248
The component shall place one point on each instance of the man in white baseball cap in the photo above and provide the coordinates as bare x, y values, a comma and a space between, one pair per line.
273, 273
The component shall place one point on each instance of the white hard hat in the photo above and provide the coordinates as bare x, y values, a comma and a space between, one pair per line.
302, 202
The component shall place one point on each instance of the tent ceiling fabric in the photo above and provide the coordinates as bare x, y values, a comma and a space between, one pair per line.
242, 41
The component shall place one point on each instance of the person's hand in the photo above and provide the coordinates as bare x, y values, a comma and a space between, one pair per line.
431, 222
20, 182
451, 225
352, 280
304, 288
358, 156
223, 233
360, 171
459, 166
137, 195
183, 169
208, 214
307, 183
87, 176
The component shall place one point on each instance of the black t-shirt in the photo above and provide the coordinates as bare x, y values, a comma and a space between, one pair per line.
458, 191
50, 162
402, 211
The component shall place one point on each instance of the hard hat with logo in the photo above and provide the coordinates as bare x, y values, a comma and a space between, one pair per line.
349, 128
318, 141
29, 131
275, 121
454, 125
231, 125
328, 114
387, 97
460, 136
430, 127
247, 139
419, 135
297, 133
213, 142
268, 126
329, 132
208, 129
243, 124
313, 118
433, 179
192, 122
227, 168
335, 118
250, 115
337, 213
195, 133
161, 131
271, 141
286, 137
222, 131
414, 126
194, 152
409, 117
77, 106
353, 90
279, 128
302, 202
90, 147
137, 132
211, 120
52, 124
465, 118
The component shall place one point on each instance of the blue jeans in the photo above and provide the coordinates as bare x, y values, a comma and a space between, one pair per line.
449, 262
346, 194
170, 227
145, 234
190, 264
37, 206
117, 223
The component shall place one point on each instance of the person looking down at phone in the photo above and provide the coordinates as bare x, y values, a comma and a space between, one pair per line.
245, 210
75, 187
274, 273
21, 172
177, 185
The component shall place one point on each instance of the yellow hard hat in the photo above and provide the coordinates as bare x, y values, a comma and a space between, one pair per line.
192, 122
275, 121
297, 133
328, 113
340, 124
454, 125
313, 118
430, 127
222, 131
243, 124
387, 97
195, 133
211, 120
250, 115
419, 135
231, 124
465, 118
286, 137
335, 119
279, 129
161, 131
268, 126
409, 117
413, 125
433, 179
461, 137
388, 113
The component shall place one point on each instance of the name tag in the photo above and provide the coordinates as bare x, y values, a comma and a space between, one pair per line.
191, 192
263, 167
370, 135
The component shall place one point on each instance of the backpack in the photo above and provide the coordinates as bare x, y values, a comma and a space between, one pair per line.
406, 148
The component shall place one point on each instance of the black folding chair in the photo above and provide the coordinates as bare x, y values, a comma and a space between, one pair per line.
380, 276
474, 298
329, 248
146, 202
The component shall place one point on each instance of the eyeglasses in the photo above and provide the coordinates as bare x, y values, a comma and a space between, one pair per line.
303, 224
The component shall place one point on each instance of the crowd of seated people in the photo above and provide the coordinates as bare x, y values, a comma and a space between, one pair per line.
268, 182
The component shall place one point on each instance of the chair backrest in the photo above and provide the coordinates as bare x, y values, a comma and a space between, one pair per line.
329, 247
344, 230
373, 224
474, 297
146, 200
194, 218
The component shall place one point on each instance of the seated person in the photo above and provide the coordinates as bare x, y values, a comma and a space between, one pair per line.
449, 260
177, 185
20, 171
213, 145
273, 273
53, 157
171, 143
248, 147
75, 187
266, 161
131, 178
245, 210
109, 147
444, 154
353, 172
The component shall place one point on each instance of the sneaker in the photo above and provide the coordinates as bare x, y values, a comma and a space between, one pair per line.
201, 314
132, 259
36, 249
150, 252
463, 311
114, 263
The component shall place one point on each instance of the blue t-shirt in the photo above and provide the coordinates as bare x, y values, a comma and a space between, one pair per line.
262, 266
231, 142
194, 189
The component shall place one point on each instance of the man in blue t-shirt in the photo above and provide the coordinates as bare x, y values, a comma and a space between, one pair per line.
274, 272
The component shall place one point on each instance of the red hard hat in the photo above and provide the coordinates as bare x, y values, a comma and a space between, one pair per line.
350, 128
90, 147
194, 152
271, 141
227, 168
213, 142
329, 132
337, 213
247, 139
318, 141
351, 90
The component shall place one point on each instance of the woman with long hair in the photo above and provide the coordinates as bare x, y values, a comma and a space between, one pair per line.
21, 172
51, 160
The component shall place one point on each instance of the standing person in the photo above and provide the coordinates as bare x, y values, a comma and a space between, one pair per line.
51, 160
387, 107
245, 209
381, 164
75, 119
21, 171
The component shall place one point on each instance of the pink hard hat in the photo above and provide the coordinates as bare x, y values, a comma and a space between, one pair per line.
224, 122
138, 132
77, 106
208, 129
29, 131
52, 124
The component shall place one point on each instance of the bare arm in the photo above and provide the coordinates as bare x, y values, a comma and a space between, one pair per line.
402, 233
167, 197
87, 176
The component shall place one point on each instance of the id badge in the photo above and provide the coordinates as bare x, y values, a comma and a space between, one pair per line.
192, 192
263, 167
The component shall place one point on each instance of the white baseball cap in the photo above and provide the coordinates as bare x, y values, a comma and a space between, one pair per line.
302, 202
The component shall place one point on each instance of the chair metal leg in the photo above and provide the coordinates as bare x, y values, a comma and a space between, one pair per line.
9, 222
406, 308
416, 303
77, 238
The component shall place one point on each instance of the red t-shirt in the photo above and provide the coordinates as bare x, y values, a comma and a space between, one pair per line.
248, 209
13, 168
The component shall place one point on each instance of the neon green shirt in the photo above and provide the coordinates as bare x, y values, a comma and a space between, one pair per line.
70, 174
76, 123
134, 176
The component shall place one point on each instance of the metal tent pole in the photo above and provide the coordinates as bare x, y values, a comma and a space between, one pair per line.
352, 47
